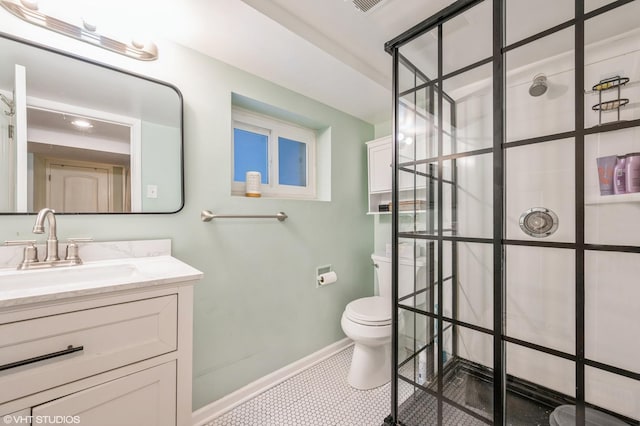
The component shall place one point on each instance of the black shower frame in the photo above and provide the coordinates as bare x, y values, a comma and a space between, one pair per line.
498, 241
432, 176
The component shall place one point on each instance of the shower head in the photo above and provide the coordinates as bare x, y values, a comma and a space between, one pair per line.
539, 86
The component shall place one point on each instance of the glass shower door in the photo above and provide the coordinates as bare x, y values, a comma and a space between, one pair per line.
7, 154
444, 156
13, 140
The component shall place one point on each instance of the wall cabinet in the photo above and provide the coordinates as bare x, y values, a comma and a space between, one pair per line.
380, 164
380, 167
119, 358
380, 171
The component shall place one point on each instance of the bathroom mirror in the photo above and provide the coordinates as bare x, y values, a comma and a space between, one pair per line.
82, 137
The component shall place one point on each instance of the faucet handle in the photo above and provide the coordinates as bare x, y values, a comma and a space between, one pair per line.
20, 242
79, 240
72, 248
30, 251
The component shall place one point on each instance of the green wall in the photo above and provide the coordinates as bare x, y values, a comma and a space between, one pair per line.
257, 308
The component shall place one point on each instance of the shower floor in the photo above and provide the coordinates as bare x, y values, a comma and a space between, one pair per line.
468, 386
420, 409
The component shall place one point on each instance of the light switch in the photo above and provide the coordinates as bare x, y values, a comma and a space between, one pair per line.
152, 191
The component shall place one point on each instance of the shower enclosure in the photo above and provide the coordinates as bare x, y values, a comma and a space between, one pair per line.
516, 130
7, 153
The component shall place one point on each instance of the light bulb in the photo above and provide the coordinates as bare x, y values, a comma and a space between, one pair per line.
30, 4
89, 24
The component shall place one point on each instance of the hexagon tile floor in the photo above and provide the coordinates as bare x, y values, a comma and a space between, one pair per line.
319, 396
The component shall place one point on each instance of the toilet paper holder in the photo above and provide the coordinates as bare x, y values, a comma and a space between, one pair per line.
325, 275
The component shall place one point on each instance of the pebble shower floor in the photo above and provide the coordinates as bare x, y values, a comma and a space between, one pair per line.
319, 396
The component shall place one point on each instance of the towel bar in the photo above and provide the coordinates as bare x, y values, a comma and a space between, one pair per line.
207, 216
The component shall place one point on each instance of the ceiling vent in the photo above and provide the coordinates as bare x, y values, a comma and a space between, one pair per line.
366, 5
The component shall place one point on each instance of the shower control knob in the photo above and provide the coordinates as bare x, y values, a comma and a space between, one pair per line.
539, 222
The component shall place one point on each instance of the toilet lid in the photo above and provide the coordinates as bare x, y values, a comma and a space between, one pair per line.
374, 310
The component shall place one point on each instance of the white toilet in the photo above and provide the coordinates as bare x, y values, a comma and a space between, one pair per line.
367, 321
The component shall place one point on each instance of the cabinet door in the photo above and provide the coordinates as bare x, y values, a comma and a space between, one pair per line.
18, 417
380, 168
147, 397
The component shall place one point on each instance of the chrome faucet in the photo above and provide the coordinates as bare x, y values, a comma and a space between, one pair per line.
51, 250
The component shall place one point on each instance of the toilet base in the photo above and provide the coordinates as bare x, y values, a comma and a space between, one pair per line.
370, 366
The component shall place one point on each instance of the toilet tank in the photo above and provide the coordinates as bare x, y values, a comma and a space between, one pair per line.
408, 268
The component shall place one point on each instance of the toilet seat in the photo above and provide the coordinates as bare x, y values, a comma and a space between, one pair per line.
370, 311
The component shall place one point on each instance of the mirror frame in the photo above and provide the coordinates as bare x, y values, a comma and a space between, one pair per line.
129, 73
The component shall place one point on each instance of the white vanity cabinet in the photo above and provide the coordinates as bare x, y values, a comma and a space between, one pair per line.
112, 357
143, 398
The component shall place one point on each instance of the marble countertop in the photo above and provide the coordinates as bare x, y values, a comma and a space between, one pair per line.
94, 276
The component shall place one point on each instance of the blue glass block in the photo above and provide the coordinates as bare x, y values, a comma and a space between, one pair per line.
292, 162
250, 153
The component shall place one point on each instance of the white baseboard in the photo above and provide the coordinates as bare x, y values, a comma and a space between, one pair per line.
209, 412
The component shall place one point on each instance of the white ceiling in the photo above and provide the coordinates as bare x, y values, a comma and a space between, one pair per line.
324, 49
330, 51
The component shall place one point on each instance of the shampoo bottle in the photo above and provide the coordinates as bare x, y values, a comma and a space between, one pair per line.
633, 172
422, 368
619, 176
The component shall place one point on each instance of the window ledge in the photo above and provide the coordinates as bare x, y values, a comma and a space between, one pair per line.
276, 197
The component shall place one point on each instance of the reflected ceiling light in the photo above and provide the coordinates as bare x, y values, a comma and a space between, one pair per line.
82, 124
27, 10
404, 139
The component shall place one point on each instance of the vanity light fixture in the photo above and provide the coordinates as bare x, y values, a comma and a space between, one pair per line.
27, 10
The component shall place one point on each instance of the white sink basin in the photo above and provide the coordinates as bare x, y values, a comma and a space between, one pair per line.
28, 286
35, 278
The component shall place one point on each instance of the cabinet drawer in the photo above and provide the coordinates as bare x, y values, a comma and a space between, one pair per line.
34, 356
